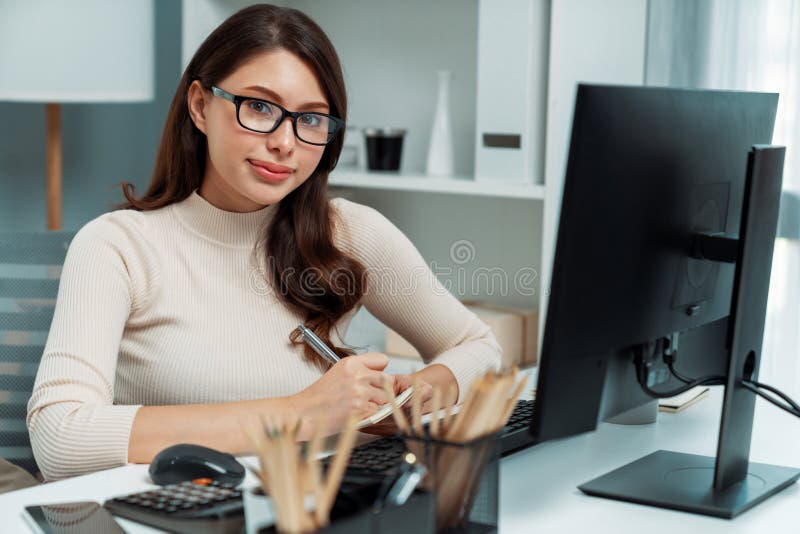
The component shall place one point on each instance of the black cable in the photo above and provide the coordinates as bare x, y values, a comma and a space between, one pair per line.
710, 380
751, 387
777, 392
642, 372
677, 375
786, 398
790, 405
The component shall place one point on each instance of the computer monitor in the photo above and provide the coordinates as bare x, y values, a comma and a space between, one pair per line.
648, 264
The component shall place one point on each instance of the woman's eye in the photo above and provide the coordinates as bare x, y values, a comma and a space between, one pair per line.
260, 107
311, 120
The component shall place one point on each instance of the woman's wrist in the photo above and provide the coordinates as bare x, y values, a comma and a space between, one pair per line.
295, 408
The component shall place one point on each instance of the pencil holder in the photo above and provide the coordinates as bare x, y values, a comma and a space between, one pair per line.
464, 478
352, 513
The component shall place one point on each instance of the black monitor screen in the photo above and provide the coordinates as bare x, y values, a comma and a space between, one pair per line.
648, 169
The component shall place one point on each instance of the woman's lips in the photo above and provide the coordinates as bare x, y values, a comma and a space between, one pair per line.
271, 172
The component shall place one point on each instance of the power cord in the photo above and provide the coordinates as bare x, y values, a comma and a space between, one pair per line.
787, 405
790, 406
642, 373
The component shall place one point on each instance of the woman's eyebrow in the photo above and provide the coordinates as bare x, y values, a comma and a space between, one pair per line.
272, 95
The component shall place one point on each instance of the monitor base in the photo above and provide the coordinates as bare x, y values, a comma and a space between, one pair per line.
685, 482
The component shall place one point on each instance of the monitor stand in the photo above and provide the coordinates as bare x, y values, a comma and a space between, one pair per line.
728, 484
641, 415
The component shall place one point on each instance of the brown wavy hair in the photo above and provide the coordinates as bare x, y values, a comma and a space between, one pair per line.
306, 270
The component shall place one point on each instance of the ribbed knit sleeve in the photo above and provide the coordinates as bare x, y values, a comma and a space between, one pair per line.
73, 423
404, 294
170, 307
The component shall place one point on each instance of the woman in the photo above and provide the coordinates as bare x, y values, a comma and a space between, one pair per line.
176, 317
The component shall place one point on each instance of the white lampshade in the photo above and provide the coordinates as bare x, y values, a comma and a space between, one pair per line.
76, 51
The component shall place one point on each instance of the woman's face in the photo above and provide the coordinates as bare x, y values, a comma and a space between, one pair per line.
246, 170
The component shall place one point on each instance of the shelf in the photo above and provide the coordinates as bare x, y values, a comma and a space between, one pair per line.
460, 185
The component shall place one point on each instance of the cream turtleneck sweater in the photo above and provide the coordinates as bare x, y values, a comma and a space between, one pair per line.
172, 306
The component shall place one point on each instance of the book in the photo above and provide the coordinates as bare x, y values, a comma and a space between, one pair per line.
386, 410
680, 402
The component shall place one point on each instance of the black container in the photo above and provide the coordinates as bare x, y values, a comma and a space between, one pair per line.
464, 478
384, 148
352, 513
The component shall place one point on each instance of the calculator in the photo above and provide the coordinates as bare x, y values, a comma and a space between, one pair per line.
194, 506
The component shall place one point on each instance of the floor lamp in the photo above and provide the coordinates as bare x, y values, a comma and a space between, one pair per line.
82, 51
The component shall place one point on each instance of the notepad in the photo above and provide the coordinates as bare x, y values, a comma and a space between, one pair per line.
680, 402
386, 410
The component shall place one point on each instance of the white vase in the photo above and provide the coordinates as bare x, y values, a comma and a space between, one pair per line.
440, 150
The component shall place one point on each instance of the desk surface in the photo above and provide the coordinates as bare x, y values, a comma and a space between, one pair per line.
538, 486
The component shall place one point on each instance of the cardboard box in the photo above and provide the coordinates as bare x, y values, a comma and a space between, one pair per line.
516, 331
530, 329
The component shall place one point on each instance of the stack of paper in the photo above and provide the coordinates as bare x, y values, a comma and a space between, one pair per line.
680, 402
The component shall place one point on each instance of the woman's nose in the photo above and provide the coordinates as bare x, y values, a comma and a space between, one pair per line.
282, 139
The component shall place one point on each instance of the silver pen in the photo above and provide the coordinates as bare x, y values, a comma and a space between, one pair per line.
396, 490
318, 345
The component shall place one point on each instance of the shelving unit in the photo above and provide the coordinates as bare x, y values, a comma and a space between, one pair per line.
390, 55
459, 185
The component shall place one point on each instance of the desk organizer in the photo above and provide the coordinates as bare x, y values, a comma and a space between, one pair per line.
352, 513
464, 479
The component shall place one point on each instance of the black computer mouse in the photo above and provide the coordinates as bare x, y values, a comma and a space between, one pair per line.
183, 462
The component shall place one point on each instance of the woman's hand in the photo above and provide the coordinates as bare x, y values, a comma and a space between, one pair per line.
388, 427
354, 385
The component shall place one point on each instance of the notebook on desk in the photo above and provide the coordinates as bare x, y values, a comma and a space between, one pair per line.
386, 410
684, 400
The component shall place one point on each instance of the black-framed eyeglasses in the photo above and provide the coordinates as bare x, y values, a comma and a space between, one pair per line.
263, 116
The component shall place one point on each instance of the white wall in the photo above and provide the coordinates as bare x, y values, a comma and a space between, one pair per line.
594, 42
103, 144
390, 52
200, 17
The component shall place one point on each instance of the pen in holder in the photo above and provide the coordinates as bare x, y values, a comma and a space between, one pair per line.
464, 479
461, 453
301, 498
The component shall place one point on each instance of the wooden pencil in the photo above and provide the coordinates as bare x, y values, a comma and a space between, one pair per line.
512, 402
436, 403
336, 470
416, 408
397, 413
452, 393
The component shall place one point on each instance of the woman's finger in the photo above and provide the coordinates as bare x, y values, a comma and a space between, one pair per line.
378, 378
378, 395
401, 383
427, 391
372, 360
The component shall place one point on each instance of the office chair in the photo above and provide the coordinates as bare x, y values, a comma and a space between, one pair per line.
30, 268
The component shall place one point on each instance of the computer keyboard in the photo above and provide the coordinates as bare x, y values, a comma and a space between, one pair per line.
380, 457
515, 435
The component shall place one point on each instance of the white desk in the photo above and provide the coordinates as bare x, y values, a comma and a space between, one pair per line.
538, 488
538, 491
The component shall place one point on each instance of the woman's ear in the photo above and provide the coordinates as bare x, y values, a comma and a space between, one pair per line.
196, 101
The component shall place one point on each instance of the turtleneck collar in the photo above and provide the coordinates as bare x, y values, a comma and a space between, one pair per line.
240, 230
